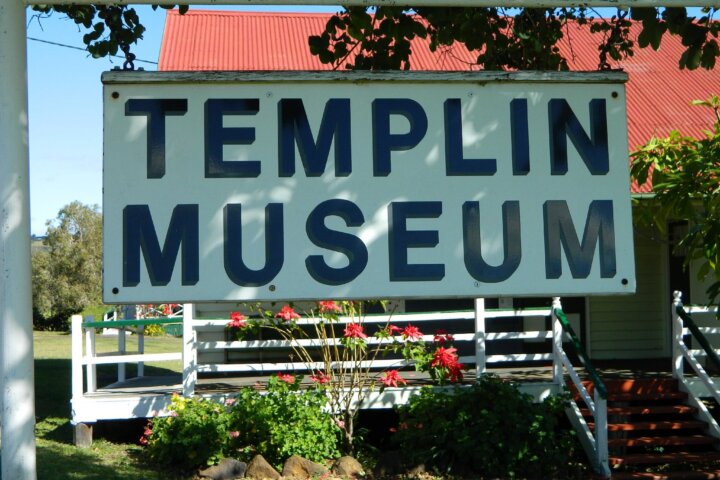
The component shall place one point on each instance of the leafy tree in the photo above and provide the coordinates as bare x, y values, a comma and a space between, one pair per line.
67, 272
504, 38
685, 174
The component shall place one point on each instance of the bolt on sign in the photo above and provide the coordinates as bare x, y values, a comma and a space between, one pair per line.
264, 186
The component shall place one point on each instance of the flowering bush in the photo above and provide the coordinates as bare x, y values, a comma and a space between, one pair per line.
342, 363
438, 358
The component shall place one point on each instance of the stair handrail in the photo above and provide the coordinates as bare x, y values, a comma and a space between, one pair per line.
699, 336
594, 442
581, 353
681, 353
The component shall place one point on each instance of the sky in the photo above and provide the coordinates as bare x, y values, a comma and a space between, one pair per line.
65, 107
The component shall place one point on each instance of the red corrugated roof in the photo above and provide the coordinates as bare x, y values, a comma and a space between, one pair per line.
658, 92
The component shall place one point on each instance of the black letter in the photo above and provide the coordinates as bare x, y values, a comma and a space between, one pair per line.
235, 267
217, 136
559, 229
139, 234
400, 239
294, 127
472, 245
564, 123
385, 142
155, 110
519, 136
455, 164
349, 245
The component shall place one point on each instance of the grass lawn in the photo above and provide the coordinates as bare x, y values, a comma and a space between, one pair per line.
57, 457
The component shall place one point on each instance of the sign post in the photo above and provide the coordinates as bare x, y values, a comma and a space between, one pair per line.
16, 338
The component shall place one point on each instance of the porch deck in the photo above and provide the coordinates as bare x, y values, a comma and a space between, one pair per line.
148, 396
228, 384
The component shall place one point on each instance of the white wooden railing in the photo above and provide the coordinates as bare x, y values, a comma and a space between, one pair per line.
196, 342
85, 357
594, 441
684, 326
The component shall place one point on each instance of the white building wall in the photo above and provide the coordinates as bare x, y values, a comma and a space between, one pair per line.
634, 326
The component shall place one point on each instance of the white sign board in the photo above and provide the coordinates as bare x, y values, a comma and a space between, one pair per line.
297, 186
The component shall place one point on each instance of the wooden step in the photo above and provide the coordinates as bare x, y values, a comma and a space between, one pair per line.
684, 475
662, 458
660, 425
646, 410
649, 396
635, 385
662, 441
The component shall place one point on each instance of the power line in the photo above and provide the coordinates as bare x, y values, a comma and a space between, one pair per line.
83, 49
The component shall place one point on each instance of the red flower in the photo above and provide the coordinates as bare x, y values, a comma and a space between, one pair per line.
393, 329
286, 377
455, 372
442, 336
412, 333
354, 330
287, 313
237, 320
391, 378
320, 378
445, 357
329, 306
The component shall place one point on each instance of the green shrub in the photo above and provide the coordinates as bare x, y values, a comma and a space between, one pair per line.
489, 430
278, 423
154, 330
195, 433
285, 421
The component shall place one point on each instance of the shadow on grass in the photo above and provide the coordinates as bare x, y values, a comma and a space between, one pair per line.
103, 462
52, 388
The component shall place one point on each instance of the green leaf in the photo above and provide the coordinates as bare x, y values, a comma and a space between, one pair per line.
709, 53
691, 58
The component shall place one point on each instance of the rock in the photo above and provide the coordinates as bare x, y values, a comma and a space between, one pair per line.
299, 468
260, 469
227, 469
417, 470
388, 464
348, 467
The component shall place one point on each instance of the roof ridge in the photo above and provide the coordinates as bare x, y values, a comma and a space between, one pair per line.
234, 13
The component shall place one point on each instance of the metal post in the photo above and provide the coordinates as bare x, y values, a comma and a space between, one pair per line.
16, 337
677, 333
480, 356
